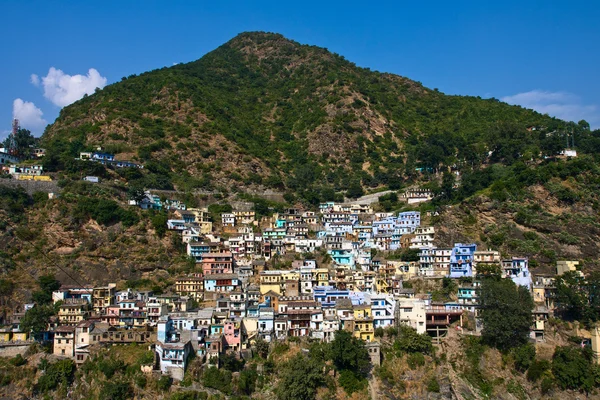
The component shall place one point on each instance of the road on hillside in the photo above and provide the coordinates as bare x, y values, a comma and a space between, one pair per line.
370, 198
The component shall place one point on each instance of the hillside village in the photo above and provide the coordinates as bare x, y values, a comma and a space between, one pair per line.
149, 237
243, 291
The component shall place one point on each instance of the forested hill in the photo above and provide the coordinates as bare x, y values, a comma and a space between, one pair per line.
264, 111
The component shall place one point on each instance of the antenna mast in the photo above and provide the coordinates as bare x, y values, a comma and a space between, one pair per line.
11, 145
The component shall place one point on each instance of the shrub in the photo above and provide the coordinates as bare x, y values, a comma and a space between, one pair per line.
262, 348
164, 383
140, 381
59, 373
409, 341
247, 381
415, 360
18, 360
572, 368
217, 379
351, 382
433, 385
546, 385
231, 363
116, 391
537, 369
109, 366
524, 357
189, 396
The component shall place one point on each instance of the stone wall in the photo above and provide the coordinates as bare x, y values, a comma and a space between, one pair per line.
32, 186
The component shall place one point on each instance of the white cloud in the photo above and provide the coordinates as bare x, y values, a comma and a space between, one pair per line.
563, 105
63, 89
3, 135
30, 117
35, 80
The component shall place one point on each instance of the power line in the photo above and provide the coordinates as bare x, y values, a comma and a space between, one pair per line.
43, 254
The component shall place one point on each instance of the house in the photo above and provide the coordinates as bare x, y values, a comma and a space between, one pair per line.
363, 323
73, 311
102, 297
327, 296
233, 334
468, 296
228, 219
567, 266
64, 341
65, 293
86, 334
415, 196
423, 237
173, 358
221, 283
198, 249
176, 224
271, 281
266, 316
92, 179
244, 217
382, 308
217, 263
517, 269
412, 312
461, 260
192, 285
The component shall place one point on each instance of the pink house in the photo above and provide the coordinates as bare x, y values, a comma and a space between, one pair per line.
217, 263
232, 334
111, 315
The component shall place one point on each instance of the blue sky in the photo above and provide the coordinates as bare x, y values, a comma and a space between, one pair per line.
541, 54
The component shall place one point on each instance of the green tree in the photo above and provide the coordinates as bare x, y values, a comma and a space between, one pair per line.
247, 381
524, 357
262, 348
116, 391
409, 341
48, 284
573, 369
349, 352
36, 319
300, 378
159, 223
22, 141
59, 373
217, 379
355, 190
505, 312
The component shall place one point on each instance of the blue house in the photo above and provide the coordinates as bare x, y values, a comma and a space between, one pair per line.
517, 269
328, 295
342, 256
98, 156
197, 249
461, 260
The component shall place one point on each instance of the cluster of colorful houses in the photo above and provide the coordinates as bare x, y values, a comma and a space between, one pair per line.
244, 289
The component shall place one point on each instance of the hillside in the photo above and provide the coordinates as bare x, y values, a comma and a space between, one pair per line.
264, 111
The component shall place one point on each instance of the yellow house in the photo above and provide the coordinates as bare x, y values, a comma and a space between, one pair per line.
363, 323
192, 286
322, 276
72, 313
271, 281
5, 336
290, 275
206, 227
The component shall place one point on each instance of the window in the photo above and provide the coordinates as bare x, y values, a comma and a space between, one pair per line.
63, 351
